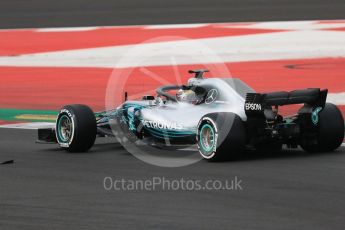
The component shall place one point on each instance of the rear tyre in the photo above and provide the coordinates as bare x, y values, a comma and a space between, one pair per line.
76, 128
220, 136
330, 131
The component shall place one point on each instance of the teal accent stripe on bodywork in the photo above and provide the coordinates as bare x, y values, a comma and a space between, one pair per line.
164, 133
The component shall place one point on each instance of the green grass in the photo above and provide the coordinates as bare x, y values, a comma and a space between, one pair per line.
28, 115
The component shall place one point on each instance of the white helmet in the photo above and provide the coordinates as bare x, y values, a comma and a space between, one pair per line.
186, 96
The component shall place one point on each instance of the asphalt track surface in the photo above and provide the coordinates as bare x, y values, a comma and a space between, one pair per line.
47, 188
50, 187
52, 13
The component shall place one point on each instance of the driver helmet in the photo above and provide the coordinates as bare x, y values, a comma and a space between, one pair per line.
186, 96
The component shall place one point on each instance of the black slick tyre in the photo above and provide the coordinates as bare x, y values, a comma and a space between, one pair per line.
76, 128
220, 136
330, 131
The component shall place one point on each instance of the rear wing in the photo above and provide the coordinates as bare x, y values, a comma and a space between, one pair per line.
256, 102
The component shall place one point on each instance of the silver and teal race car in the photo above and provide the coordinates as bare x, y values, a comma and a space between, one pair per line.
222, 116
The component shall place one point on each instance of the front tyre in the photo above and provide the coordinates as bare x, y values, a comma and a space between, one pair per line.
330, 133
76, 128
220, 136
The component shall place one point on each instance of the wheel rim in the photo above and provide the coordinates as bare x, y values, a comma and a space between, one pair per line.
207, 139
65, 128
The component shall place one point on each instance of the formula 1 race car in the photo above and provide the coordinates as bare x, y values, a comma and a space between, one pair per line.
222, 116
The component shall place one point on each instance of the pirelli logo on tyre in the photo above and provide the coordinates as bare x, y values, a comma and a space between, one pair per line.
67, 112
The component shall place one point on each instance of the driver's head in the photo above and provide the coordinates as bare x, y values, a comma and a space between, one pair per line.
186, 96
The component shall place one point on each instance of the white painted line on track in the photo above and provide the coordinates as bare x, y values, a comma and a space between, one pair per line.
33, 125
294, 25
176, 26
336, 98
66, 29
258, 47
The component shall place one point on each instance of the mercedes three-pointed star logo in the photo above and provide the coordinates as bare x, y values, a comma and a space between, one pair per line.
211, 96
